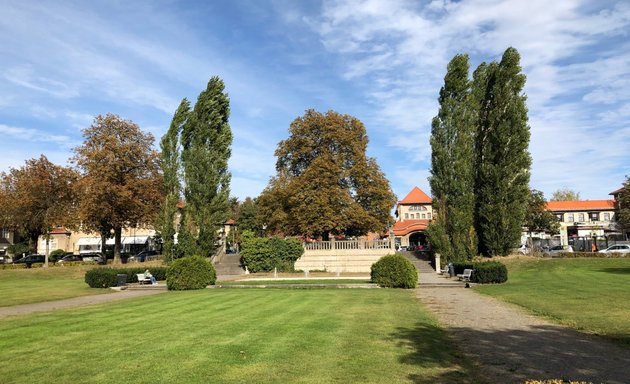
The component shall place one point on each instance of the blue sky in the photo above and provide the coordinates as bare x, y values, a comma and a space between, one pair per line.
382, 61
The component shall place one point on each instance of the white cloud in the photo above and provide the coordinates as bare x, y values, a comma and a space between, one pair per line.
30, 134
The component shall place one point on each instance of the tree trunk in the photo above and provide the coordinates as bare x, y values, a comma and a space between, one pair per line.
117, 238
103, 241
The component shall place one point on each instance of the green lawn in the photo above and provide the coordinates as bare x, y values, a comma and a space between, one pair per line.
592, 295
236, 336
34, 285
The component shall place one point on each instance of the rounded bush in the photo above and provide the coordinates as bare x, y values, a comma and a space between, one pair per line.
193, 272
394, 271
56, 255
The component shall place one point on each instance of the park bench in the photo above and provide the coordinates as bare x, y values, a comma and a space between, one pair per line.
142, 279
466, 275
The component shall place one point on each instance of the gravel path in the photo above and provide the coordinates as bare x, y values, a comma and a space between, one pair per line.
512, 345
74, 302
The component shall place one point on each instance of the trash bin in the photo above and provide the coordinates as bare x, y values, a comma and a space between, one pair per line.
121, 280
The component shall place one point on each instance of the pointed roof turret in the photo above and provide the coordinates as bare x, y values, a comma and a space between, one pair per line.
416, 196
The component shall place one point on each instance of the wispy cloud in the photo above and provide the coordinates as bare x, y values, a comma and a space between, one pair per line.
398, 51
30, 134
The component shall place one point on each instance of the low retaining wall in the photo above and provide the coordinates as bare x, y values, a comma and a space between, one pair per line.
343, 256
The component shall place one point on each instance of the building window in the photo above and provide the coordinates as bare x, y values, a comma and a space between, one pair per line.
559, 216
429, 215
417, 215
594, 216
424, 216
570, 218
406, 215
606, 216
581, 217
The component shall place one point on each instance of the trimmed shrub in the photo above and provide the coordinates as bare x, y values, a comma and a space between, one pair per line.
101, 277
193, 272
489, 272
485, 272
394, 271
589, 254
55, 255
262, 254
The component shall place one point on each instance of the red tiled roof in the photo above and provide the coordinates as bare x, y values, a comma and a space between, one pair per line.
581, 205
401, 228
230, 222
416, 196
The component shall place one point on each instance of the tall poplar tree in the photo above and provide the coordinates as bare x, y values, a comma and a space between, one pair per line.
503, 161
452, 165
170, 163
206, 140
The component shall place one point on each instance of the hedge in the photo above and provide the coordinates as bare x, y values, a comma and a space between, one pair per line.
262, 254
486, 272
394, 271
106, 277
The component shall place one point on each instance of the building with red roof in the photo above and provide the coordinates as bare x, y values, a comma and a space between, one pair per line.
413, 215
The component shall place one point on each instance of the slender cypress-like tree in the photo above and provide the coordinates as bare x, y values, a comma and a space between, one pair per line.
170, 163
503, 161
206, 140
452, 164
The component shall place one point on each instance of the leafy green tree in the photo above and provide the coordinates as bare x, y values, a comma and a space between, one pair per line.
120, 183
623, 221
247, 218
170, 163
537, 217
206, 140
503, 160
565, 194
37, 197
325, 183
452, 172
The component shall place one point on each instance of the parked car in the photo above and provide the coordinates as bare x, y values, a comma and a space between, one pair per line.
70, 259
524, 250
141, 257
556, 250
94, 256
617, 248
5, 259
30, 260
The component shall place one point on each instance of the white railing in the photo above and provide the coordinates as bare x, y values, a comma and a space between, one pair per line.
347, 245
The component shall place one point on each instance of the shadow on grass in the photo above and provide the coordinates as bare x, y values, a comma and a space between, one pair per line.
515, 355
431, 350
620, 270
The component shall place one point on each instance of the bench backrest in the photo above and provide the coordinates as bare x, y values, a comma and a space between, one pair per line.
467, 272
141, 276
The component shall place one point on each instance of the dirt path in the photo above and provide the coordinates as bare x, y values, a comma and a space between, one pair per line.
73, 302
513, 346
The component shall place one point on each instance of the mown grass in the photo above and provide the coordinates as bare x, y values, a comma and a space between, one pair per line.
34, 285
236, 336
591, 295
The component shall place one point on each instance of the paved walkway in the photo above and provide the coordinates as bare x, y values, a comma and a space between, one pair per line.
512, 345
74, 302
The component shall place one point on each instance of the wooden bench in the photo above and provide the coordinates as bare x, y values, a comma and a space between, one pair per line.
466, 275
143, 279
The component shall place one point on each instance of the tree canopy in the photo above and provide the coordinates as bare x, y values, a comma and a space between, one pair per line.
120, 184
565, 194
480, 161
206, 139
623, 221
325, 182
538, 218
36, 198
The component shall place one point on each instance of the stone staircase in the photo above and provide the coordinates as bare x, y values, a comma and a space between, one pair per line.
230, 265
427, 277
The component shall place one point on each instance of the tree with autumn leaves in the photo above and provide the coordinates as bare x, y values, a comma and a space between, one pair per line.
120, 183
36, 198
325, 183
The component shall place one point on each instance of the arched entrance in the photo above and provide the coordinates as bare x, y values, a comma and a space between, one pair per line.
417, 238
